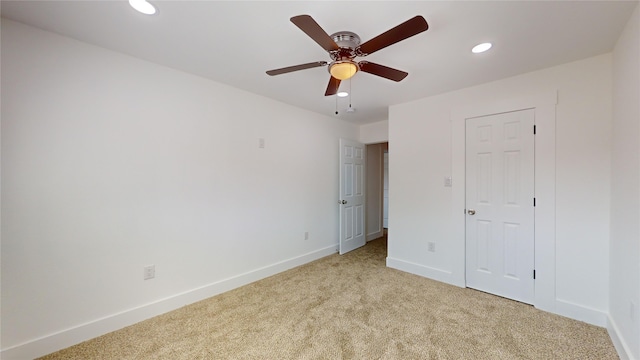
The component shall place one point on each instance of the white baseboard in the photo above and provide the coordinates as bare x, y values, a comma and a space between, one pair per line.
562, 307
581, 313
68, 337
618, 341
375, 235
425, 271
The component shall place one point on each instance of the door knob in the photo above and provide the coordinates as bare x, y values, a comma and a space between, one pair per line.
471, 212
342, 202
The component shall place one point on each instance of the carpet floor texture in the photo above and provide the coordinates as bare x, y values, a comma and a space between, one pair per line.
351, 307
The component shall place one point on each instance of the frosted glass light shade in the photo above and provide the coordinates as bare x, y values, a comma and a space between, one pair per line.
343, 70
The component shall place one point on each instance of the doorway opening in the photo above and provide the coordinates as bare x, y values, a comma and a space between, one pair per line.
377, 190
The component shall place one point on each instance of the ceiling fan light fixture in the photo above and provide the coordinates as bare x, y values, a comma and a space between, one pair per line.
343, 70
342, 94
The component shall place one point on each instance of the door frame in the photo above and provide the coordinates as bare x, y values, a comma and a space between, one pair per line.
544, 225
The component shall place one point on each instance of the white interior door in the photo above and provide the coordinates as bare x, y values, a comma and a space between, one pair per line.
352, 195
500, 204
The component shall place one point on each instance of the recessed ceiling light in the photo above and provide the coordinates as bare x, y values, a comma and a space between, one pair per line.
481, 48
342, 94
143, 6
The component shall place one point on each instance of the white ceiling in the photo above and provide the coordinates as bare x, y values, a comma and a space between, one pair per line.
235, 42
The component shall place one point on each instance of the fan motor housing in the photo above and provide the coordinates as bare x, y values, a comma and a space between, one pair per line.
346, 39
347, 42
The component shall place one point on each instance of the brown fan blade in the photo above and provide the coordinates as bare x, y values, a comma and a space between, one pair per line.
403, 31
296, 68
383, 71
333, 86
315, 32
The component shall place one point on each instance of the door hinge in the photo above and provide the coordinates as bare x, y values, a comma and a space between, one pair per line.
534, 129
534, 274
534, 202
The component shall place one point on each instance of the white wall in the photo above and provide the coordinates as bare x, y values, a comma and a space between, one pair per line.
377, 132
111, 163
426, 139
624, 279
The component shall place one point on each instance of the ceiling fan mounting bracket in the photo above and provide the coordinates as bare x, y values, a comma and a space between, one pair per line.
346, 39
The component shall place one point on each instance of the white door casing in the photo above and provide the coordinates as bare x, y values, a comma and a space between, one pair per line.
385, 193
500, 204
352, 195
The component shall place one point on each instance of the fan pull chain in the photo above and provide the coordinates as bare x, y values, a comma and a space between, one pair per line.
336, 96
350, 93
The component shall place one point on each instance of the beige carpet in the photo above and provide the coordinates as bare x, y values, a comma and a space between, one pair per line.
351, 307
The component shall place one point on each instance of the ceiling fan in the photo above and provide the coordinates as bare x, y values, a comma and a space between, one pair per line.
344, 47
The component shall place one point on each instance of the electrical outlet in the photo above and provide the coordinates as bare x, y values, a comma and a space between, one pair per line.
306, 235
261, 143
149, 272
431, 246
